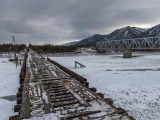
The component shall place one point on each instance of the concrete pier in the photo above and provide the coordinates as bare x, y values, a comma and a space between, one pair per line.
127, 54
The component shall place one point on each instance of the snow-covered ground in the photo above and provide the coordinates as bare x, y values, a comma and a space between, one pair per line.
133, 84
9, 83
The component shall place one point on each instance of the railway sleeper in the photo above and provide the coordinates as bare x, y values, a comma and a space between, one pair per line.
20, 89
46, 81
15, 117
46, 73
57, 86
51, 79
59, 94
47, 76
100, 94
51, 87
61, 97
57, 91
19, 94
64, 103
62, 100
53, 82
17, 108
19, 100
109, 101
93, 89
52, 94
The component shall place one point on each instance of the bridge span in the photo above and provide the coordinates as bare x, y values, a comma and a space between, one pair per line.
149, 43
48, 90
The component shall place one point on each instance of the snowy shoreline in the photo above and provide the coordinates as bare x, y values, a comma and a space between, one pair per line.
133, 83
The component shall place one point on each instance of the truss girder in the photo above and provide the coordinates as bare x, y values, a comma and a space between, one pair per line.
138, 43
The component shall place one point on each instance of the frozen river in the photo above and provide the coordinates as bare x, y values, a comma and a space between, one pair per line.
133, 84
9, 83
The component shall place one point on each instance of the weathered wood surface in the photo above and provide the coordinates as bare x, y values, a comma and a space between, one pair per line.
17, 108
47, 106
47, 86
15, 117
25, 109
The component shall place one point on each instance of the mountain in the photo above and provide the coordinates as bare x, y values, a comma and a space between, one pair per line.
70, 43
123, 33
152, 32
91, 40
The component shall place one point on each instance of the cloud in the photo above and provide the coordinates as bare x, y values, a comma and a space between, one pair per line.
57, 21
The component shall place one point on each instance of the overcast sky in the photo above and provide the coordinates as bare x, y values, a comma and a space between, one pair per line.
59, 21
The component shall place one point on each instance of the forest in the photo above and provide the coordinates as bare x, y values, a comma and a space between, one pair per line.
10, 47
49, 48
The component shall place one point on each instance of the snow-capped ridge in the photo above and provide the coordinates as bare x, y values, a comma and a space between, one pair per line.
127, 32
152, 32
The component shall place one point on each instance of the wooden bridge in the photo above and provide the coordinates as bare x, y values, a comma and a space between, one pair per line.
48, 87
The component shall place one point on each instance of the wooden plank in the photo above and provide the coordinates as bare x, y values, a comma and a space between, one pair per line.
62, 100
57, 91
50, 79
15, 117
47, 106
25, 109
62, 96
17, 108
64, 103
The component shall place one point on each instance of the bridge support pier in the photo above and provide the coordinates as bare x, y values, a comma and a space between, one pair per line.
127, 54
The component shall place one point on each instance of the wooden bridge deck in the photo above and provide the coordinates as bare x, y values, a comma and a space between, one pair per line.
47, 89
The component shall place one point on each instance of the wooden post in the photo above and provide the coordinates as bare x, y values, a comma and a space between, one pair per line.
75, 65
15, 117
16, 61
61, 110
20, 62
17, 108
79, 64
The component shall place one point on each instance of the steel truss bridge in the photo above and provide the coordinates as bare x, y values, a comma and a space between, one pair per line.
149, 43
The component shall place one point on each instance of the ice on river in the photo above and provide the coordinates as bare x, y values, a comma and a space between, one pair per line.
9, 83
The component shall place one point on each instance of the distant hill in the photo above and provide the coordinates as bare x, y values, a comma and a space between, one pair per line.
91, 40
70, 43
152, 32
123, 33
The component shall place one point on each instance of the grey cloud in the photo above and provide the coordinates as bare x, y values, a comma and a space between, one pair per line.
54, 21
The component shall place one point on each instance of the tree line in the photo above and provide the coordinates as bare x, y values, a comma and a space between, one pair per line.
11, 48
49, 48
